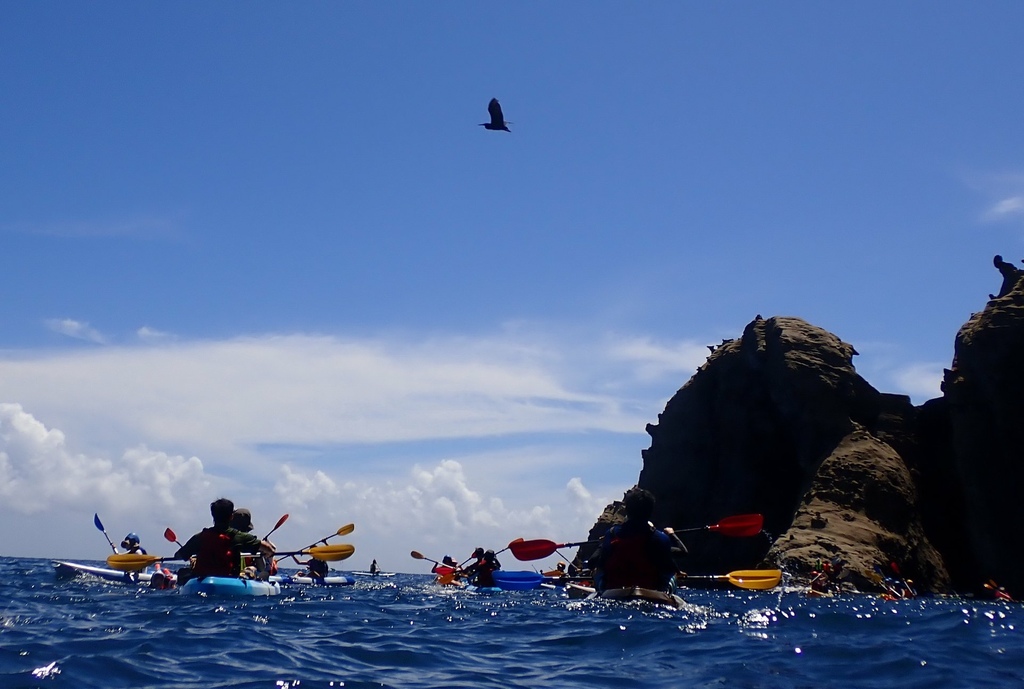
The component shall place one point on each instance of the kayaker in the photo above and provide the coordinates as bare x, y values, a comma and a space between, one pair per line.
481, 573
218, 549
256, 566
374, 568
315, 568
634, 553
133, 545
446, 567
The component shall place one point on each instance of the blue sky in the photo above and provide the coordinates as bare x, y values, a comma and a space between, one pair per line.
268, 253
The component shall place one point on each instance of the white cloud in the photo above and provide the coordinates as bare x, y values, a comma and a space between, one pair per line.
152, 335
655, 361
920, 381
1013, 205
39, 472
76, 329
438, 508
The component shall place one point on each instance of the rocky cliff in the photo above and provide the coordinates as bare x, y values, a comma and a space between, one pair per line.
779, 422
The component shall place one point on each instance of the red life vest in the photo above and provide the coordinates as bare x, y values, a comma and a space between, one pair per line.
218, 556
629, 562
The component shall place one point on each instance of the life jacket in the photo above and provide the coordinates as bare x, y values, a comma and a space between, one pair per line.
218, 556
629, 561
484, 576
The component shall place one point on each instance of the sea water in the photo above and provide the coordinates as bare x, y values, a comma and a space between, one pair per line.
404, 631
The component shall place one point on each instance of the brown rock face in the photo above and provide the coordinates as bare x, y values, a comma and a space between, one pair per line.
984, 393
779, 422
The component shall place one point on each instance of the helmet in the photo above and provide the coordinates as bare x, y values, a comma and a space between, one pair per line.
130, 540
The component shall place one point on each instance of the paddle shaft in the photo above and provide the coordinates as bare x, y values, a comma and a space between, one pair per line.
99, 525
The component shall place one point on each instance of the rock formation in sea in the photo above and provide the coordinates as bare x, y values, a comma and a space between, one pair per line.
779, 422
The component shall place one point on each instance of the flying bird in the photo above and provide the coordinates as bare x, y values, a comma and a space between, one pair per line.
497, 119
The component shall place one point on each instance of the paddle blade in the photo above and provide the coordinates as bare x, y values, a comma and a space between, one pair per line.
739, 526
331, 553
755, 579
131, 562
346, 530
416, 555
532, 550
97, 522
170, 535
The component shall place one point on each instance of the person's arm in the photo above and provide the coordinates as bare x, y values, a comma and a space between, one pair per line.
678, 547
190, 549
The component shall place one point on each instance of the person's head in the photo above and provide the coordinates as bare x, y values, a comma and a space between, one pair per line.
560, 566
489, 556
639, 504
241, 519
479, 552
446, 560
220, 510
130, 541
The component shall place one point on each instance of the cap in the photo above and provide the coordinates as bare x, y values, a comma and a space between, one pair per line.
241, 519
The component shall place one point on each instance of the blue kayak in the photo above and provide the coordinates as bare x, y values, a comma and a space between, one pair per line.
517, 581
230, 586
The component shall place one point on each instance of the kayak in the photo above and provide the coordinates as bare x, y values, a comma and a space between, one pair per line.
374, 574
517, 581
286, 579
66, 570
631, 594
230, 586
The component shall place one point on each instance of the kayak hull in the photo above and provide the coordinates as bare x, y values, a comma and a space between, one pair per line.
631, 594
230, 586
517, 581
339, 580
66, 570
635, 593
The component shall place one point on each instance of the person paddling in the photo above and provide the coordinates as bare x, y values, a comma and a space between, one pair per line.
218, 549
634, 553
256, 565
315, 568
481, 573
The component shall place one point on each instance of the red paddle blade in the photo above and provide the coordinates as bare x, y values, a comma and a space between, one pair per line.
739, 526
532, 550
170, 535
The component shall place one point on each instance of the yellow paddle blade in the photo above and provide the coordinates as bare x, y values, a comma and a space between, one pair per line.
131, 562
756, 579
346, 530
331, 553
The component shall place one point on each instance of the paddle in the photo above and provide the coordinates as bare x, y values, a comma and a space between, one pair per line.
99, 525
755, 579
277, 526
738, 526
172, 537
446, 579
342, 531
416, 555
128, 562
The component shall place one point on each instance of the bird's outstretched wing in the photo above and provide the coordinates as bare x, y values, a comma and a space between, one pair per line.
494, 110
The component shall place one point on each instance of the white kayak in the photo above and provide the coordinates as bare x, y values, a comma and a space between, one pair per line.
374, 574
337, 580
66, 570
